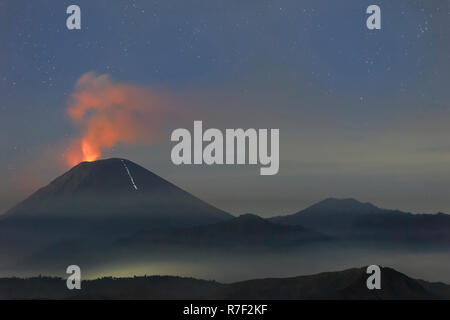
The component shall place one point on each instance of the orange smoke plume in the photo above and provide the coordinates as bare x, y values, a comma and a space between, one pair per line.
109, 113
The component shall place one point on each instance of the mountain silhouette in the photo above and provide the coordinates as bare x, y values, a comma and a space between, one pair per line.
98, 207
93, 204
348, 284
115, 188
349, 218
343, 285
330, 214
245, 230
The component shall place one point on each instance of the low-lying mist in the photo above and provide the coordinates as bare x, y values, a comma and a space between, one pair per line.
236, 264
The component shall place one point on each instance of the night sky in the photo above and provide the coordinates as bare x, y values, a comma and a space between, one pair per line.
362, 113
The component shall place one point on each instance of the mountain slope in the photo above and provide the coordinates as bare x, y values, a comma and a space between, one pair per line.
330, 214
114, 188
91, 205
349, 218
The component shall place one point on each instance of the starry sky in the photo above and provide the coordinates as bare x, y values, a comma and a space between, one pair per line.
362, 113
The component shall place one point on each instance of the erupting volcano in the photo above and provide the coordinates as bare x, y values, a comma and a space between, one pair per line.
109, 113
116, 189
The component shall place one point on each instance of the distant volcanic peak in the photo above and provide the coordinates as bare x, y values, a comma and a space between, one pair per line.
345, 203
331, 215
348, 201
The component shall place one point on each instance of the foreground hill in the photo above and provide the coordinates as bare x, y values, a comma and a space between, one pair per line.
347, 285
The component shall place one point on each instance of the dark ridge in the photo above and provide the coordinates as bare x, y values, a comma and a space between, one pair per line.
348, 284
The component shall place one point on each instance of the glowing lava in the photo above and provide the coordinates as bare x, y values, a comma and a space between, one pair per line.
109, 113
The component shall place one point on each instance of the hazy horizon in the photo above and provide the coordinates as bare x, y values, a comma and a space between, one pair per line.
237, 213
